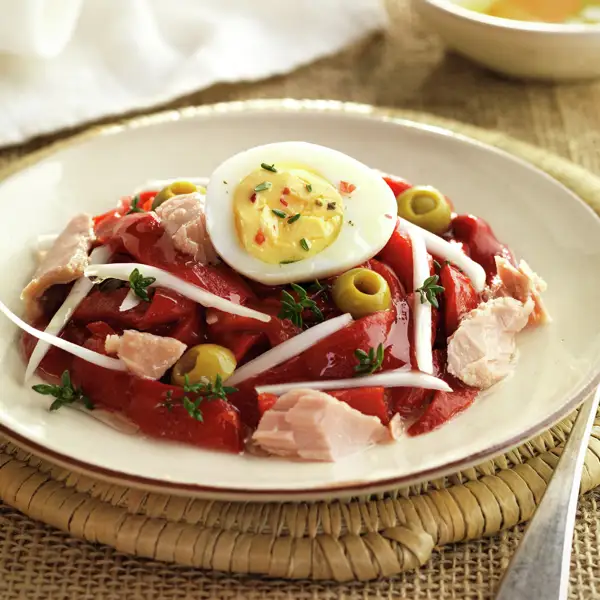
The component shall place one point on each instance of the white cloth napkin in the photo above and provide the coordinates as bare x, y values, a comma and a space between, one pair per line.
85, 59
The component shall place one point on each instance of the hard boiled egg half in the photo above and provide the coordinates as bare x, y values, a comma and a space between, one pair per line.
294, 211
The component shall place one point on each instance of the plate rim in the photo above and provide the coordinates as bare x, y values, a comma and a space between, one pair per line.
316, 492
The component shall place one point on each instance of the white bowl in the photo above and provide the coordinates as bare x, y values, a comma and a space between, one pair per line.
547, 51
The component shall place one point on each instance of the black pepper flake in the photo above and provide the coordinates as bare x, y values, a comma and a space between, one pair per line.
331, 205
319, 202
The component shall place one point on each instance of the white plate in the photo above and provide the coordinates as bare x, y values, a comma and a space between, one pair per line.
539, 218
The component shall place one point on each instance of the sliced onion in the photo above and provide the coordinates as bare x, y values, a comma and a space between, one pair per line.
130, 301
159, 184
165, 279
289, 349
388, 379
440, 247
421, 310
88, 355
79, 291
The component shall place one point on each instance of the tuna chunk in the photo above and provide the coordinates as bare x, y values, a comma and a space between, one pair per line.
64, 262
482, 350
146, 355
316, 426
184, 220
522, 284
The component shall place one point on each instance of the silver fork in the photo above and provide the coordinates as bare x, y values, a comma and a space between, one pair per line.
539, 570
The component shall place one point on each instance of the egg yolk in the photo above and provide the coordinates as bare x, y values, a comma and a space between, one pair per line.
284, 215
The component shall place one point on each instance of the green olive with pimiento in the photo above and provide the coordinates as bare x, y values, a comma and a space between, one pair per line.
202, 364
177, 188
426, 207
361, 292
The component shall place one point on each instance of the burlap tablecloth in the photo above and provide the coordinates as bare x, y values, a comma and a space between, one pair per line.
406, 67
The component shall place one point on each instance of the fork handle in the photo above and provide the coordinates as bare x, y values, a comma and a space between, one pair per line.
540, 566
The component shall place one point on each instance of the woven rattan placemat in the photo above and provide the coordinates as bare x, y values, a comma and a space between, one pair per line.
405, 67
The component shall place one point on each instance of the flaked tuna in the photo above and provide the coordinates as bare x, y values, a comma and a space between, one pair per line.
63, 263
316, 426
521, 283
146, 355
184, 220
482, 350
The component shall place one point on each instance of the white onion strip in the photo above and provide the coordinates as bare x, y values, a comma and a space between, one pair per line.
421, 310
440, 247
79, 291
388, 379
130, 301
289, 349
165, 279
159, 184
88, 355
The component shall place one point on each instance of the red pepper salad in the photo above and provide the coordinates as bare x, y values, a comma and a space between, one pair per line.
295, 303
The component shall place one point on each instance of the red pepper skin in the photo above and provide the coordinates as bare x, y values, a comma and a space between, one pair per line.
370, 401
146, 200
409, 402
190, 329
397, 345
397, 185
220, 429
483, 245
459, 297
143, 237
276, 330
333, 357
443, 407
266, 402
166, 307
398, 255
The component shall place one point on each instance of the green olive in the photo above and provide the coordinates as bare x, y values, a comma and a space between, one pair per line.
203, 363
426, 207
361, 292
174, 189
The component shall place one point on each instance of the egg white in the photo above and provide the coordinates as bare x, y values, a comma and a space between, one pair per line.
369, 212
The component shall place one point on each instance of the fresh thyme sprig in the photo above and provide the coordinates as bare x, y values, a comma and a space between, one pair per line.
429, 291
368, 362
292, 309
208, 391
64, 394
140, 284
135, 208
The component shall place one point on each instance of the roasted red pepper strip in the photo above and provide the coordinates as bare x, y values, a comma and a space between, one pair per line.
220, 429
166, 307
409, 402
371, 401
397, 254
483, 245
397, 345
459, 297
143, 237
398, 186
443, 407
